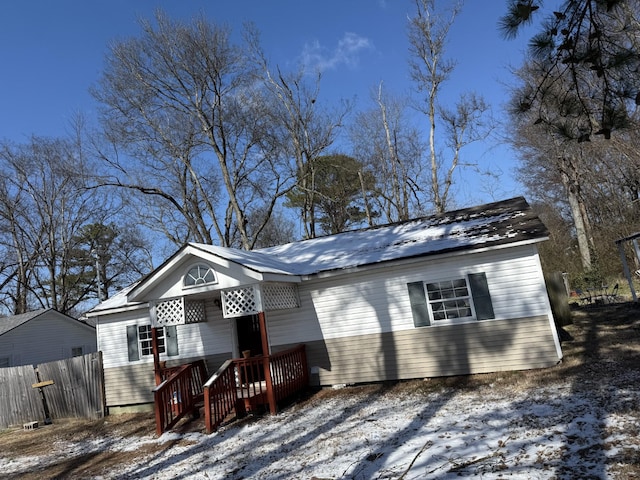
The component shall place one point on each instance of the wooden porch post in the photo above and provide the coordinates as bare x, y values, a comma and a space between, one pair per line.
273, 408
156, 355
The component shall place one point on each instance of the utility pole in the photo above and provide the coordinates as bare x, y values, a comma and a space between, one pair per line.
96, 255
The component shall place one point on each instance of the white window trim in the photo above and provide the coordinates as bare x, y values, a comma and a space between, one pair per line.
162, 347
209, 268
451, 321
135, 345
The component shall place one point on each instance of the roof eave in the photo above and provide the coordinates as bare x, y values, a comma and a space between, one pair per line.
128, 307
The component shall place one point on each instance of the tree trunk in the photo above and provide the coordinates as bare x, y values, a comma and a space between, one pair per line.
578, 210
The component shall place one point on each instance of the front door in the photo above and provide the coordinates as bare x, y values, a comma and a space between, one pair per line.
249, 337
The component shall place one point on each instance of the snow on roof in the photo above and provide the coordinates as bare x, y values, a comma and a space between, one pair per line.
483, 226
255, 260
116, 301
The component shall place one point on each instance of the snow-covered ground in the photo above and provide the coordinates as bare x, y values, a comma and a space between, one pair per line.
557, 431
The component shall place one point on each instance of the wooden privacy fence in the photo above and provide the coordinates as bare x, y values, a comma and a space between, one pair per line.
77, 391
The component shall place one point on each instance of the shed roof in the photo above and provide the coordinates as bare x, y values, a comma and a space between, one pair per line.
9, 323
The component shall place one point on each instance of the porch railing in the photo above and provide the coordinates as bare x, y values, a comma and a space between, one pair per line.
289, 372
245, 384
178, 394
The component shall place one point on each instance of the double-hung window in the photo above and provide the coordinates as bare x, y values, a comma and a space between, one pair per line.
449, 299
454, 300
77, 351
140, 341
145, 342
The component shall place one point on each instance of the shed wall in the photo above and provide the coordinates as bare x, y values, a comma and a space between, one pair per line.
46, 338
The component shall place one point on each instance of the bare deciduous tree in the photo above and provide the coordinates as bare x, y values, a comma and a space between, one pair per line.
45, 207
385, 140
306, 129
188, 107
429, 70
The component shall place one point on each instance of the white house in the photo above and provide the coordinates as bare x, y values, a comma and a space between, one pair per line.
451, 294
43, 336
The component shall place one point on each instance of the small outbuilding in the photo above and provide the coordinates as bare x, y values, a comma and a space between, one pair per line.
450, 294
42, 336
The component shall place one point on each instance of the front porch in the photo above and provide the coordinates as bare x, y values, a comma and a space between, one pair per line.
240, 386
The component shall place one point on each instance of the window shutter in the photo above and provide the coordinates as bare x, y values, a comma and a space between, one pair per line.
171, 340
481, 296
419, 307
132, 343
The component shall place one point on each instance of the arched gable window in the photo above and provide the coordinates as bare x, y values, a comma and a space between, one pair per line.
199, 275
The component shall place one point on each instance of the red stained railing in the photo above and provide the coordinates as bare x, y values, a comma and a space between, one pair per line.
289, 372
178, 394
248, 383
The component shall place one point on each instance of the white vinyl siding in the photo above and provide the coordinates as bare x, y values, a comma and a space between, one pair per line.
377, 301
194, 340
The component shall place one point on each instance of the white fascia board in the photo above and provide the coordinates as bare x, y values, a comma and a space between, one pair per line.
125, 308
276, 277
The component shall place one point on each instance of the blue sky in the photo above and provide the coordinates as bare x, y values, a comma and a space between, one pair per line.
51, 52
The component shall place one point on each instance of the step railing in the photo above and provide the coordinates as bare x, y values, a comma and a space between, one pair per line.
243, 384
221, 396
289, 372
178, 394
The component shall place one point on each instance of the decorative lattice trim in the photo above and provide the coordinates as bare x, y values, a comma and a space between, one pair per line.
253, 299
177, 311
241, 301
168, 312
279, 296
194, 312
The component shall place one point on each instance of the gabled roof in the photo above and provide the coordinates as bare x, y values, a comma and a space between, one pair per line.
9, 323
255, 260
482, 227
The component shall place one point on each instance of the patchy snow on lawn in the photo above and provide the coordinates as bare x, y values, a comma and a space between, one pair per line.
550, 432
